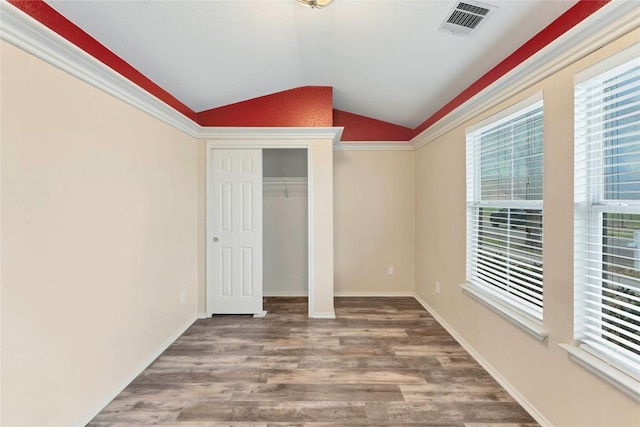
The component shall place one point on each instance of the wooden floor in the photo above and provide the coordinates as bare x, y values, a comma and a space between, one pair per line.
383, 361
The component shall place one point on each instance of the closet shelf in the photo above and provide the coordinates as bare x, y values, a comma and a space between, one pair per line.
290, 185
285, 180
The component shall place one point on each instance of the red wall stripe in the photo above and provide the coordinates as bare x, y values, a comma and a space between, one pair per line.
572, 17
309, 106
46, 15
362, 128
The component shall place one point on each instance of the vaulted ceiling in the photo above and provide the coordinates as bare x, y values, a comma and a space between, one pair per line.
380, 70
386, 60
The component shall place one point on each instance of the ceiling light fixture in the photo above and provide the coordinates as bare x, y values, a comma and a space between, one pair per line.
315, 4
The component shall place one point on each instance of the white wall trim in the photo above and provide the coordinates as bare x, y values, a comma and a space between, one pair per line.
268, 135
331, 315
523, 401
374, 294
202, 316
609, 23
310, 227
527, 323
128, 379
620, 380
374, 146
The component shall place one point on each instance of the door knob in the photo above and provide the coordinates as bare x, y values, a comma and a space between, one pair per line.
215, 239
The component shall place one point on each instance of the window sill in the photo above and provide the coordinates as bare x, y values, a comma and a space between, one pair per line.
523, 322
618, 379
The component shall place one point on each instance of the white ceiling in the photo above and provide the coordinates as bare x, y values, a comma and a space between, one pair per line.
384, 59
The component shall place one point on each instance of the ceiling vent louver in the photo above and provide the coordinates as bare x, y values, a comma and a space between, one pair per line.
466, 17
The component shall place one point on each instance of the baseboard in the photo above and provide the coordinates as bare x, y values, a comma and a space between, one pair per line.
342, 294
285, 294
331, 315
518, 397
137, 371
374, 294
202, 316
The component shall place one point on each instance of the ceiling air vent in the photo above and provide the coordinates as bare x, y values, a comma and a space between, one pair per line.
466, 17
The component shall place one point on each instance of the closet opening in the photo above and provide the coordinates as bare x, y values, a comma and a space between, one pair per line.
241, 144
285, 223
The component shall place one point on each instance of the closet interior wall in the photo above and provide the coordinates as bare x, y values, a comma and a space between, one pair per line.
285, 224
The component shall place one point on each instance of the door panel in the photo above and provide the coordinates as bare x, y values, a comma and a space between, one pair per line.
235, 231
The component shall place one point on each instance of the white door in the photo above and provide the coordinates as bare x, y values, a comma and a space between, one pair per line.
235, 231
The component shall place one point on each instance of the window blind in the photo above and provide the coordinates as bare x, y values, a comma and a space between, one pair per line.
607, 216
504, 209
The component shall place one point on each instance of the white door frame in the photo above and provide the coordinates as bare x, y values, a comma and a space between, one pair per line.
274, 138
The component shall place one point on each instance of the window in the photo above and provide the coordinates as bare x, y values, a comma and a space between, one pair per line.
607, 216
504, 209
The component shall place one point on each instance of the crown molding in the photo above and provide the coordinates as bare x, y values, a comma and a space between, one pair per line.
274, 134
609, 23
374, 146
19, 29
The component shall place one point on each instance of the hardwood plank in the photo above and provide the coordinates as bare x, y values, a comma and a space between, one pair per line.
427, 331
466, 377
275, 412
353, 332
387, 376
223, 361
197, 349
428, 350
397, 341
204, 376
454, 393
138, 412
445, 412
368, 363
328, 351
180, 392
457, 361
318, 392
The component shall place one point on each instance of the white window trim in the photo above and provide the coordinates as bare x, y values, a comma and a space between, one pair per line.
510, 309
528, 324
593, 360
620, 380
514, 108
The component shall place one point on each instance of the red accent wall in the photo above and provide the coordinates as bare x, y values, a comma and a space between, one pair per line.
49, 17
572, 17
309, 106
362, 128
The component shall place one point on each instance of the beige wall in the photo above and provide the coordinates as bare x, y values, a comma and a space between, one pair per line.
374, 221
560, 390
285, 242
98, 241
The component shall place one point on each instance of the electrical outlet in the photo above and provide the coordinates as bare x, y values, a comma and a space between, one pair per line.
437, 287
183, 297
391, 272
